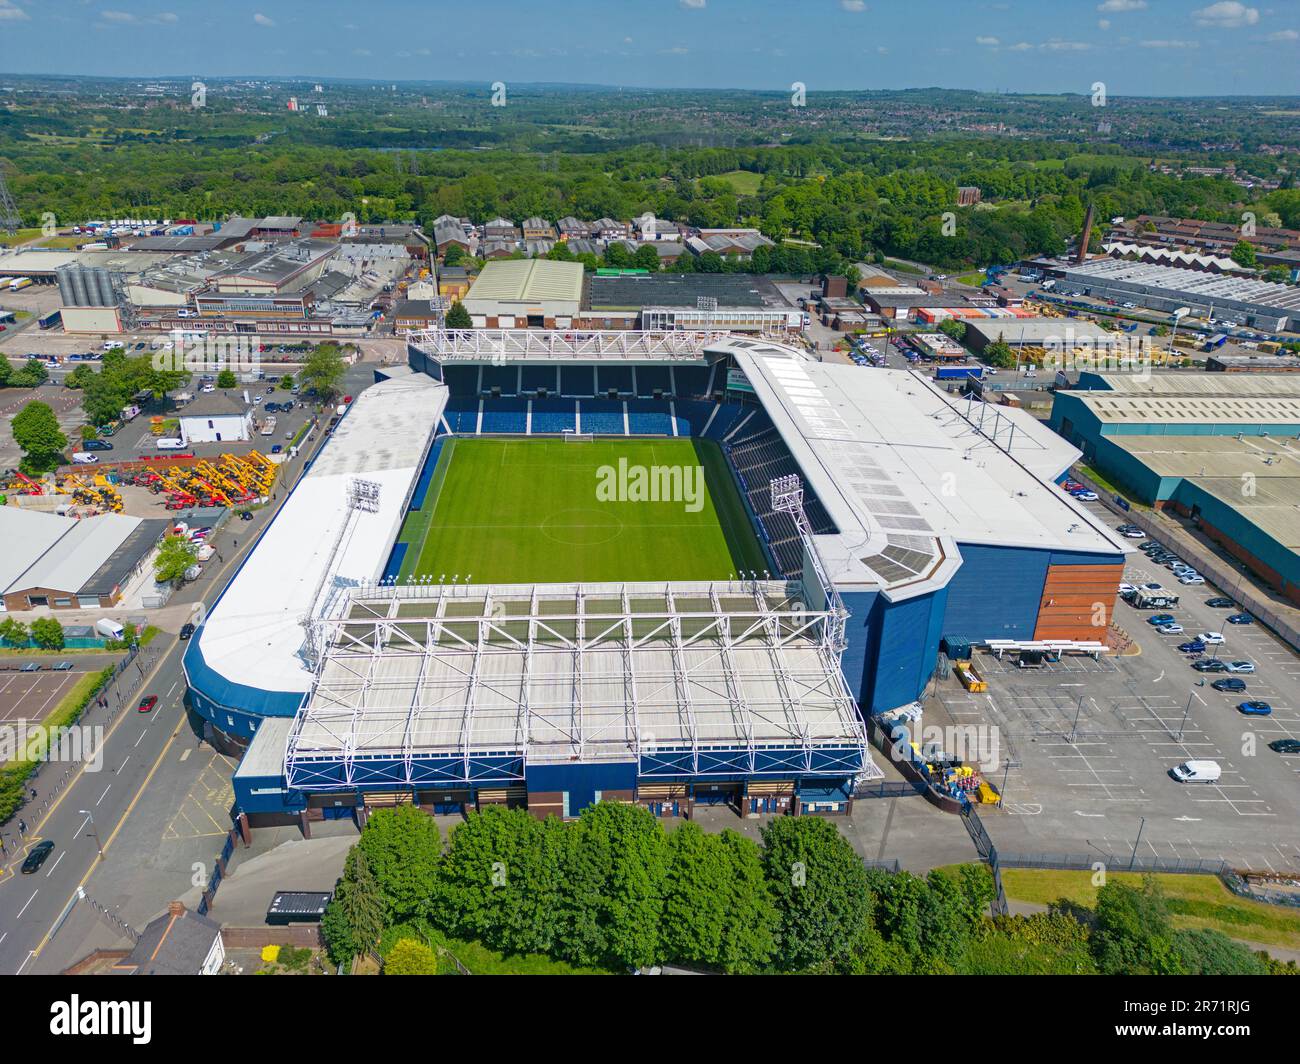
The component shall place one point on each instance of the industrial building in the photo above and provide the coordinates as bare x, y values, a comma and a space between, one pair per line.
215, 417
667, 301
525, 293
1259, 304
1216, 448
64, 563
1058, 334
891, 514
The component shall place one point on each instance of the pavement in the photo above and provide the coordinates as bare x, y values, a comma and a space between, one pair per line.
156, 801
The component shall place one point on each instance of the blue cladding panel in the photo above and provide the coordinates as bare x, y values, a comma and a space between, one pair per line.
858, 632
580, 781
907, 648
1066, 557
996, 592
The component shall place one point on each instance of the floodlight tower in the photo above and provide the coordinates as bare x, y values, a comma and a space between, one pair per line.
787, 496
9, 218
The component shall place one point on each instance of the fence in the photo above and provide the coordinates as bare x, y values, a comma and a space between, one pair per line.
218, 874
890, 789
1084, 862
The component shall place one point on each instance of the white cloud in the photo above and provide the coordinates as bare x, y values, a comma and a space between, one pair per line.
10, 13
1103, 24
988, 42
1284, 35
168, 17
1123, 5
1021, 46
693, 3
678, 50
853, 5
1056, 45
117, 16
1227, 15
1169, 44
263, 20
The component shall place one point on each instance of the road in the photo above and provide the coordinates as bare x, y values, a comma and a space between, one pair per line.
137, 778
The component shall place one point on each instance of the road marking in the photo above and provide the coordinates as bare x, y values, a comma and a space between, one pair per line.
102, 796
188, 750
29, 901
128, 758
55, 865
142, 735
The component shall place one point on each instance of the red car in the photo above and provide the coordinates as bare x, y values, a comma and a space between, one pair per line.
347, 399
148, 703
1071, 485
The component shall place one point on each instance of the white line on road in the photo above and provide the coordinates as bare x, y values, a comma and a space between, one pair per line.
102, 796
55, 865
128, 758
29, 901
142, 735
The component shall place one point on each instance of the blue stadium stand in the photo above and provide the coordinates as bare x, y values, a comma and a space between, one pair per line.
533, 379
504, 378
616, 379
578, 381
603, 416
461, 380
505, 417
650, 418
650, 379
461, 416
691, 382
550, 417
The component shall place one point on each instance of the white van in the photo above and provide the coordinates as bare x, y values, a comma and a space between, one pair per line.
84, 458
168, 443
111, 629
1197, 772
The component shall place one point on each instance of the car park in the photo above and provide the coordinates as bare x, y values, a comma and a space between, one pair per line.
1229, 683
1255, 709
36, 857
1241, 618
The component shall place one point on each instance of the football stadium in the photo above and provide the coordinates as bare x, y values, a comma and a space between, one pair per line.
545, 568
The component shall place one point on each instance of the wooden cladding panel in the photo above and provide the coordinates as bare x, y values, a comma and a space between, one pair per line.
1070, 597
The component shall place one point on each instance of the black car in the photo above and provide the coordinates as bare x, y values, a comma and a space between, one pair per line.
96, 445
1210, 665
1221, 603
187, 630
246, 515
36, 857
1229, 683
1285, 746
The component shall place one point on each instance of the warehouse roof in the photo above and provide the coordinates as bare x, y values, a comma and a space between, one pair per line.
1040, 332
1225, 385
210, 404
63, 554
683, 290
527, 281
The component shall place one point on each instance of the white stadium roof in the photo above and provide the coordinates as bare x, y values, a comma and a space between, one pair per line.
254, 634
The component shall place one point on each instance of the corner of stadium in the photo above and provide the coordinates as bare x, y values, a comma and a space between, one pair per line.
382, 645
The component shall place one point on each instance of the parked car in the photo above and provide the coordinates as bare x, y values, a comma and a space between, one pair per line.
246, 515
96, 445
1134, 533
1212, 638
63, 666
1127, 589
187, 630
147, 703
1157, 619
1192, 579
1241, 618
36, 857
1192, 646
1085, 496
276, 449
1285, 746
1241, 666
1197, 772
1170, 629
1209, 665
1256, 709
1220, 603
1229, 683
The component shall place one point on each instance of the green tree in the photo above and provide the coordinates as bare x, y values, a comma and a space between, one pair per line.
6, 373
403, 847
36, 430
323, 371
226, 379
1243, 254
999, 354
1203, 951
615, 873
1133, 934
455, 255
409, 957
47, 633
821, 891
175, 555
458, 317
954, 328
14, 632
33, 374
354, 918
717, 909
646, 258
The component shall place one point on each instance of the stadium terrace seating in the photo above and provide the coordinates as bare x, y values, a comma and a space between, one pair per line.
618, 378
649, 418
461, 415
552, 416
652, 378
505, 417
538, 378
604, 416
578, 381
758, 455
505, 378
461, 380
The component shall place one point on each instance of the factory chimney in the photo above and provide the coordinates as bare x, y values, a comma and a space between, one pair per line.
1085, 238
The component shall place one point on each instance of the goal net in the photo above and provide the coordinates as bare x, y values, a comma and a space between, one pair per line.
579, 437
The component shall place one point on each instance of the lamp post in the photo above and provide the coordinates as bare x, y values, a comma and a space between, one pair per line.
98, 845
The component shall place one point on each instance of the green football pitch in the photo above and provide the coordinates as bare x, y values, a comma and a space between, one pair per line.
540, 511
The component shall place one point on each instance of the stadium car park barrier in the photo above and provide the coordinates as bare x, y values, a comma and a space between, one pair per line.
1216, 570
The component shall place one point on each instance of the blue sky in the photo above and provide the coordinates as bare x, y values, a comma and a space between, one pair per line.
1137, 47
